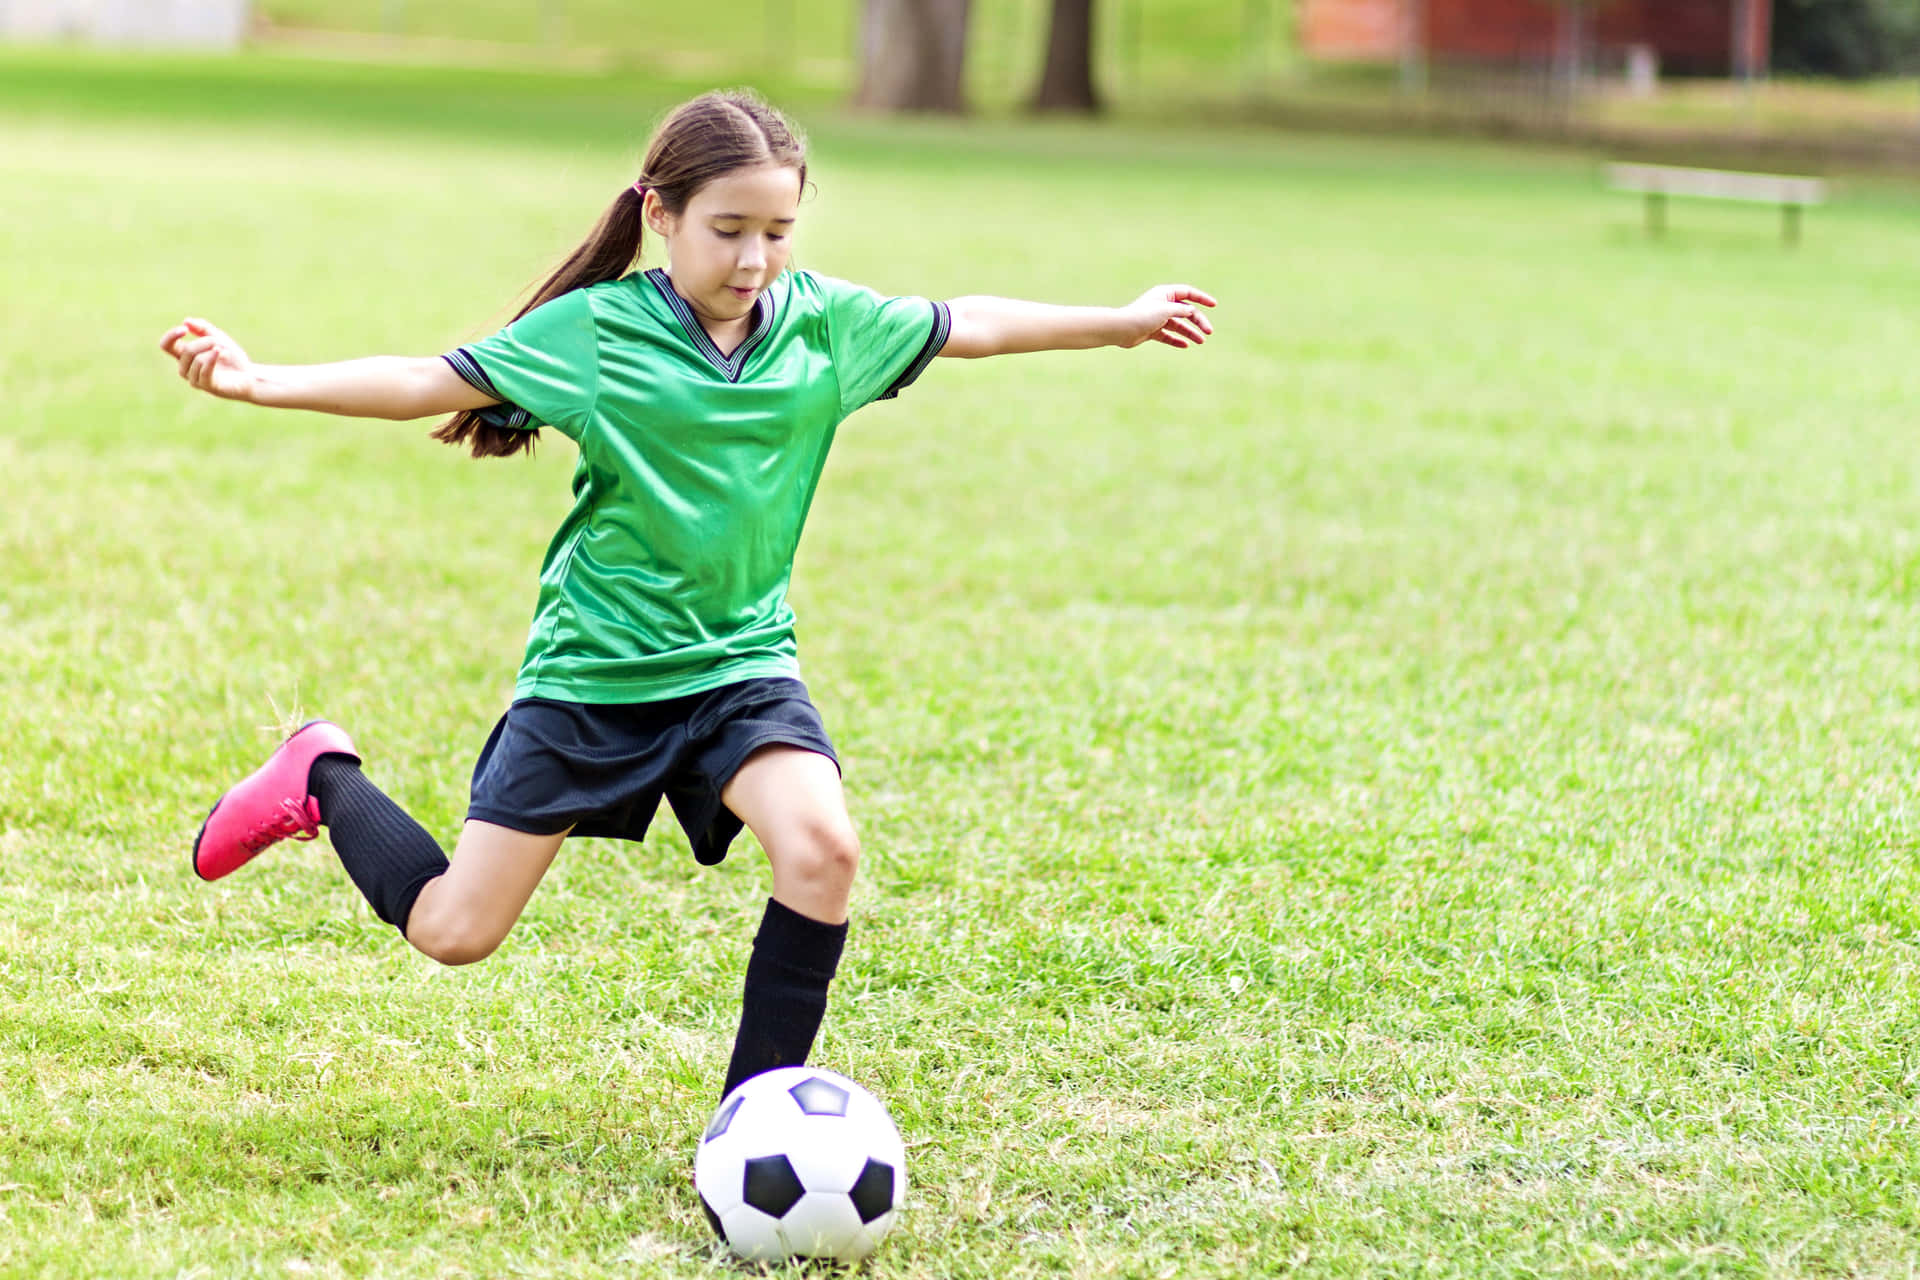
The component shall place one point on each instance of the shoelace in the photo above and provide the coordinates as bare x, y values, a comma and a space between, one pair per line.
292, 820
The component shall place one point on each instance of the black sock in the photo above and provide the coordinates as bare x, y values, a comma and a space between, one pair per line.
388, 855
794, 958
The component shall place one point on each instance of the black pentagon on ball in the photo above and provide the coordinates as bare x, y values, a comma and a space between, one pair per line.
771, 1185
819, 1097
722, 1119
872, 1193
713, 1219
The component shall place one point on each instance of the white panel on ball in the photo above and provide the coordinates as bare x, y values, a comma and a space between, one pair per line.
716, 1172
753, 1235
821, 1154
824, 1225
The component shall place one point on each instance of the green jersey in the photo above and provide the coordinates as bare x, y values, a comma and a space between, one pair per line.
669, 575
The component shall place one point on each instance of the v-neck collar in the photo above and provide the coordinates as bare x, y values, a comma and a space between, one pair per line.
730, 366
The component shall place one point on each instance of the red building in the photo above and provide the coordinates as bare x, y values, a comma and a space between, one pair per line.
1693, 37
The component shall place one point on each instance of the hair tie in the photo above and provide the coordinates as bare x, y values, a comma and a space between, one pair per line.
640, 189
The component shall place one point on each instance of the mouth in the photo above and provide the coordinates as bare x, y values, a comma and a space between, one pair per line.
742, 294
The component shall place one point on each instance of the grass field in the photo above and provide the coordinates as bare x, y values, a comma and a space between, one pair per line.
1422, 786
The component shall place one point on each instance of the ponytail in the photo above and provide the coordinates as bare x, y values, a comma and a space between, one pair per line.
713, 135
607, 254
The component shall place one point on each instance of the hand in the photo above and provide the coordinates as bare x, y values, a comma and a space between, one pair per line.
1168, 313
209, 359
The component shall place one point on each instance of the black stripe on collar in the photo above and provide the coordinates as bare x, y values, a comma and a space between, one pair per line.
732, 366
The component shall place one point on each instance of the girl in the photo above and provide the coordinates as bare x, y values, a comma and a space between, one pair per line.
703, 395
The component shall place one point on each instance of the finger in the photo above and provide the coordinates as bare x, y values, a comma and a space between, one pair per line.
1187, 331
1196, 318
204, 364
1164, 337
194, 328
1187, 293
176, 337
1188, 315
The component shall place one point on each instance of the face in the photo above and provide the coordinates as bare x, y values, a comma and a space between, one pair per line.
732, 240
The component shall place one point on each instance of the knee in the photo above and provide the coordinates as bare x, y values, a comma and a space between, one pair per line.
450, 938
824, 852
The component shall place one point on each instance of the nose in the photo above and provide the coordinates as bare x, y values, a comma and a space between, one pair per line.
753, 256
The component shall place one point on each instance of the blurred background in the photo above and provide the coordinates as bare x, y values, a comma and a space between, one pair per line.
1834, 80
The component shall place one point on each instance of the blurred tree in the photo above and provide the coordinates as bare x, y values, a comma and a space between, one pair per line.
912, 53
1569, 46
1851, 38
1571, 38
1066, 83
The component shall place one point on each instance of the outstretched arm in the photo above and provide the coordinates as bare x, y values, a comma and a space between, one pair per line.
395, 387
1168, 313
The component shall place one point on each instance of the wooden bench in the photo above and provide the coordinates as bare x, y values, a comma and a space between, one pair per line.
1658, 181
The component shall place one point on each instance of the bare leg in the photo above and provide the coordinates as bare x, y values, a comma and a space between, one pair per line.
461, 916
792, 801
791, 798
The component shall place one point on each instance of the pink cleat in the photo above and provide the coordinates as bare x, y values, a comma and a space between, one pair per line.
270, 804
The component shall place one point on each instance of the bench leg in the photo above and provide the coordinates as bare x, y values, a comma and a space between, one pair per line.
1656, 214
1790, 223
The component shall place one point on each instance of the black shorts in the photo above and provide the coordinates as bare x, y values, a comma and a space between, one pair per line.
602, 770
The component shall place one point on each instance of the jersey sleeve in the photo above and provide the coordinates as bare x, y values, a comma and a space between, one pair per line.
545, 365
879, 345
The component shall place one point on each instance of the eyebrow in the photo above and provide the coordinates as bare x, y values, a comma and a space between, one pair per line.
745, 217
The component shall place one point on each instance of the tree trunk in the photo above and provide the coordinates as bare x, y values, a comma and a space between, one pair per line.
1569, 53
1413, 48
1067, 82
912, 54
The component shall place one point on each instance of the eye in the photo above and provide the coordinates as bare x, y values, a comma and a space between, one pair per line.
776, 236
726, 235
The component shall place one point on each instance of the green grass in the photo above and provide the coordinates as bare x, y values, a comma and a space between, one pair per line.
1422, 786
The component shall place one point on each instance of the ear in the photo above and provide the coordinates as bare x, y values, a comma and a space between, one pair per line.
655, 215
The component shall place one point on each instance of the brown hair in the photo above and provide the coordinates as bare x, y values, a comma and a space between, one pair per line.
707, 138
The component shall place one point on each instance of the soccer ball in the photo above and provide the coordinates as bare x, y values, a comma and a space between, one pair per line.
801, 1163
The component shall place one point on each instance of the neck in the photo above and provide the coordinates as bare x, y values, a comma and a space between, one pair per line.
726, 334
